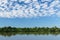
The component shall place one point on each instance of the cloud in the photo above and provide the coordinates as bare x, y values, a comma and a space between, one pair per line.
29, 8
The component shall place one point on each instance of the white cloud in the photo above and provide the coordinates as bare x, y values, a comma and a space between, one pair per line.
28, 8
58, 14
27, 1
46, 0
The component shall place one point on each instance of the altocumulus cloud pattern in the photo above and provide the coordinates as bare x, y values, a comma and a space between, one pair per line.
29, 8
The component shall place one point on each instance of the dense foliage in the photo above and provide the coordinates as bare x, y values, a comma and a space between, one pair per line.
35, 29
8, 31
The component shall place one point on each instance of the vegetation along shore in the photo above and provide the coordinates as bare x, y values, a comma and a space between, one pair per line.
34, 29
8, 31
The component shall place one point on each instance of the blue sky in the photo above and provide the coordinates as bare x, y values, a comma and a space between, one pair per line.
30, 22
30, 13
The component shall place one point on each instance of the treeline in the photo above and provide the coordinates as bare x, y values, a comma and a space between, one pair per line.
35, 29
8, 31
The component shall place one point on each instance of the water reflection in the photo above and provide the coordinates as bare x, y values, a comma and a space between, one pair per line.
26, 33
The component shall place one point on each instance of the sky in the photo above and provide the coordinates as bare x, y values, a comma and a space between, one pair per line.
30, 13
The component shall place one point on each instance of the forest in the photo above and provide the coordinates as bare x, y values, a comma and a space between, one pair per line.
8, 31
34, 29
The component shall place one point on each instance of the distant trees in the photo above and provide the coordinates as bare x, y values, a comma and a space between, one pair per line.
8, 29
35, 29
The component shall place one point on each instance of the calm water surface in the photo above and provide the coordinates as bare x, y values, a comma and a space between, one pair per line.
30, 37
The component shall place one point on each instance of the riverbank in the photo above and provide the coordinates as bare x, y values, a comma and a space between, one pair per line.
35, 29
8, 31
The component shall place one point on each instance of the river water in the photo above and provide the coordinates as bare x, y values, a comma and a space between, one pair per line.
30, 37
